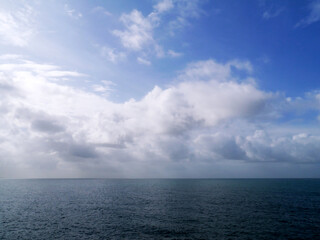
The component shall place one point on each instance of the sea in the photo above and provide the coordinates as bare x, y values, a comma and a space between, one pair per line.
160, 209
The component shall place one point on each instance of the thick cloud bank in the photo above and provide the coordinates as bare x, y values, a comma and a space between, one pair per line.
209, 124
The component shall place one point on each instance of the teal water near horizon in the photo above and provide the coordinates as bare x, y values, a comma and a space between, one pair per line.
160, 209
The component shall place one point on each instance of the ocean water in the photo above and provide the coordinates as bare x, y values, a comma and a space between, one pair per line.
160, 209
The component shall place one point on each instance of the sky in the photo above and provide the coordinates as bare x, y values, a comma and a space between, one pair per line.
159, 89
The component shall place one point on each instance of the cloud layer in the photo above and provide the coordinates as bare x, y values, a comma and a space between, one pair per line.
209, 120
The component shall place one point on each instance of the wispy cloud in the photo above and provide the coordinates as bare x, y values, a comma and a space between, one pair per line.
72, 12
272, 13
143, 61
48, 71
184, 11
112, 54
174, 54
314, 14
102, 10
17, 27
104, 88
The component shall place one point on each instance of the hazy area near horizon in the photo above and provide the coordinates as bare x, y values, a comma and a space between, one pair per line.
159, 89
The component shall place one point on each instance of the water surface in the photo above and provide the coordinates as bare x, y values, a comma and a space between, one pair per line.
160, 209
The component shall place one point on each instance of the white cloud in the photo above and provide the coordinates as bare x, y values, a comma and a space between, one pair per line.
259, 146
143, 61
174, 54
112, 54
105, 87
72, 12
314, 15
43, 70
163, 6
10, 56
102, 10
211, 117
16, 27
138, 31
210, 69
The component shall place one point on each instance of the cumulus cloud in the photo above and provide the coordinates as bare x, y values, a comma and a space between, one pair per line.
138, 31
259, 146
138, 34
209, 118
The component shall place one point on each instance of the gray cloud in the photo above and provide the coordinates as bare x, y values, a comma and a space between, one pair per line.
46, 126
82, 151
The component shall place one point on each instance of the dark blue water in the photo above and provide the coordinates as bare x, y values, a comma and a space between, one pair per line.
160, 209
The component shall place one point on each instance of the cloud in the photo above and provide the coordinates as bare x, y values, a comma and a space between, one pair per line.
112, 54
46, 126
48, 71
174, 54
272, 13
163, 6
210, 118
314, 14
138, 34
16, 27
10, 56
302, 104
259, 147
72, 12
210, 69
184, 11
102, 10
138, 31
105, 87
143, 61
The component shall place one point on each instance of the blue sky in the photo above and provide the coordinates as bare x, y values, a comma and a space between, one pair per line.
167, 88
